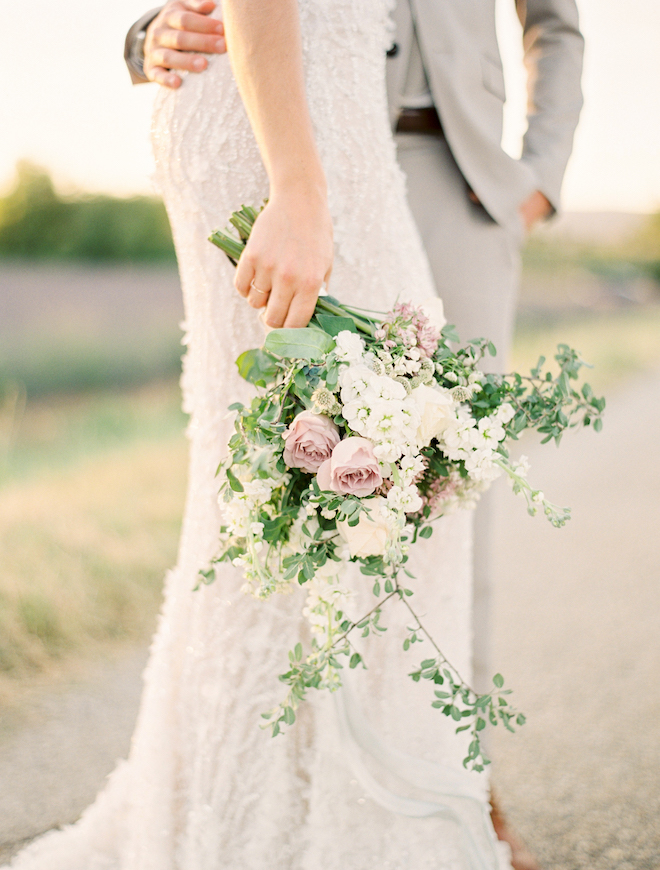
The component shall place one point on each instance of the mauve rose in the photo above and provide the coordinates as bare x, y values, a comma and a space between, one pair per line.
352, 469
309, 441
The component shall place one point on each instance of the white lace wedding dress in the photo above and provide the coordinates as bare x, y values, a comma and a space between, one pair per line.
352, 786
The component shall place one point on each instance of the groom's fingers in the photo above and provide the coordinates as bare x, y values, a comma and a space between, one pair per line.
194, 22
170, 59
162, 76
177, 37
181, 40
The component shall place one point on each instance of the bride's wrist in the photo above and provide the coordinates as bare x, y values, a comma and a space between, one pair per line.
307, 183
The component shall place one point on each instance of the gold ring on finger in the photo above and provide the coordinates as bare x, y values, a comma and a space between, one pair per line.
258, 289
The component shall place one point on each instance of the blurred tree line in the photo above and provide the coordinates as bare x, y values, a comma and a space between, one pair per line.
38, 223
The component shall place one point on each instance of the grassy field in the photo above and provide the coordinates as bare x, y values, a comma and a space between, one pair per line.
83, 551
92, 488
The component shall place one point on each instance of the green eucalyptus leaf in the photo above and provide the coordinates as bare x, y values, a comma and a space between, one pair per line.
234, 482
308, 343
257, 366
333, 324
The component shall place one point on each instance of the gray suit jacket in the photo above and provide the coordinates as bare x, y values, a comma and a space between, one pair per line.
462, 61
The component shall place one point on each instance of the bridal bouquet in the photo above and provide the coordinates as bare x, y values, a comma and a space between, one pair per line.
366, 429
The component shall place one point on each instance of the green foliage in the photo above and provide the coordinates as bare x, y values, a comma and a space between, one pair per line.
257, 366
38, 223
309, 343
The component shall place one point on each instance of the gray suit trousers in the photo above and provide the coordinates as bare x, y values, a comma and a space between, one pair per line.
476, 267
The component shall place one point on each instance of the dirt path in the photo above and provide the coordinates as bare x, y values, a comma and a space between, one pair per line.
56, 757
576, 636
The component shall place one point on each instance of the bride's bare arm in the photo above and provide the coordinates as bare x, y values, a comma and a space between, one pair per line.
289, 254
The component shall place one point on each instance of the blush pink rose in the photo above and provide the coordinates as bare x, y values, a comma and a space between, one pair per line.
309, 441
352, 469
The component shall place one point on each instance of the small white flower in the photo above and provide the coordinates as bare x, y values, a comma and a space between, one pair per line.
404, 498
387, 452
349, 347
521, 467
505, 413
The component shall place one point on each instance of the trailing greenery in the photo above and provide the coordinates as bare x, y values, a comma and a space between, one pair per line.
38, 223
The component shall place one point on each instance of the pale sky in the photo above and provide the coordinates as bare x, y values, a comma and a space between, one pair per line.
67, 103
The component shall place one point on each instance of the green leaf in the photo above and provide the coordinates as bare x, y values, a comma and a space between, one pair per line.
234, 482
498, 679
356, 658
449, 333
426, 532
289, 716
308, 343
298, 651
333, 325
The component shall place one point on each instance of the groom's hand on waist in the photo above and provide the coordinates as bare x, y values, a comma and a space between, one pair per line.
537, 207
177, 39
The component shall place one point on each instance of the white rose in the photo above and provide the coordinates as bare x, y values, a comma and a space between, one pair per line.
436, 410
435, 311
369, 536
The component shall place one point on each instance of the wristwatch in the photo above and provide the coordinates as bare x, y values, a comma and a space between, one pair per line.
134, 47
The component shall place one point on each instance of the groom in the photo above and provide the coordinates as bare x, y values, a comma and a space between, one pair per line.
472, 203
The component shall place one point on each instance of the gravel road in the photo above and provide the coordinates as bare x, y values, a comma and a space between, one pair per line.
577, 637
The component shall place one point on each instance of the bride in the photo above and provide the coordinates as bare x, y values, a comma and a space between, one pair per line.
370, 778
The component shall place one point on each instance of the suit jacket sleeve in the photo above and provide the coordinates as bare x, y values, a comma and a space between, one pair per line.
554, 49
133, 55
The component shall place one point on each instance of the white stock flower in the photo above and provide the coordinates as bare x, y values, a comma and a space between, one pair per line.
505, 413
388, 388
259, 489
356, 382
356, 413
488, 433
480, 466
521, 466
349, 346
369, 537
410, 467
405, 499
387, 452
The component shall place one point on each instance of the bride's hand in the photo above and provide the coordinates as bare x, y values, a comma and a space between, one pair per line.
288, 256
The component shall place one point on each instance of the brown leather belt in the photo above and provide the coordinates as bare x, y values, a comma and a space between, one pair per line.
419, 121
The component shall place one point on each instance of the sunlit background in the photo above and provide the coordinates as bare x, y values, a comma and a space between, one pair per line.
92, 453
67, 103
